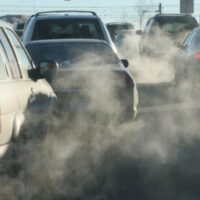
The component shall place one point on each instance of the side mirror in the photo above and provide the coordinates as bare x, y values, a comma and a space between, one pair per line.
34, 74
139, 32
125, 62
180, 45
48, 69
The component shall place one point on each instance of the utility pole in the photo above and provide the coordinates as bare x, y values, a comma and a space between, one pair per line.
34, 6
159, 8
141, 17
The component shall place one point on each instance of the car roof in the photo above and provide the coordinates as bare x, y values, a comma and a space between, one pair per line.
173, 15
45, 17
63, 14
97, 41
122, 32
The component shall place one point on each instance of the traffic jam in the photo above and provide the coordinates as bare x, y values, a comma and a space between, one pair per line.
99, 110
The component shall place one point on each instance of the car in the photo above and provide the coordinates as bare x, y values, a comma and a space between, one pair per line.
25, 96
163, 31
89, 73
115, 27
18, 28
187, 59
65, 24
122, 35
123, 44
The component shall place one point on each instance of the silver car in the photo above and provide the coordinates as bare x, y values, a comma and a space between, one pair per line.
25, 97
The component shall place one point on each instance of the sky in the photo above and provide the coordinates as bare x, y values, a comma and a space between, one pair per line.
109, 10
87, 2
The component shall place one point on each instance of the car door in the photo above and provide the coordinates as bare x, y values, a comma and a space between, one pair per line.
23, 85
8, 100
26, 65
33, 95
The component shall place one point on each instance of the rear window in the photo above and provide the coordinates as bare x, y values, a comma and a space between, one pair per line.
70, 54
120, 27
175, 24
67, 28
115, 28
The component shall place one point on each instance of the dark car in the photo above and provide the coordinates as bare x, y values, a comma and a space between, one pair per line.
19, 29
187, 60
115, 27
89, 72
25, 96
67, 24
163, 31
123, 44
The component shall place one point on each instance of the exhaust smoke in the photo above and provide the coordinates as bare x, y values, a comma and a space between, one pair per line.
93, 156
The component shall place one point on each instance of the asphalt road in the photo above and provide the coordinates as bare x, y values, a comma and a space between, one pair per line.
155, 157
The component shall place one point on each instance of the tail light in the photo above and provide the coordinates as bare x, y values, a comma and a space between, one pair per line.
125, 94
197, 56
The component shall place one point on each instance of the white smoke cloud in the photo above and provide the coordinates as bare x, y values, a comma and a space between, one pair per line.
92, 156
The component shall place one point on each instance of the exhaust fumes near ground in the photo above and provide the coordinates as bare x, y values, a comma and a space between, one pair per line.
90, 156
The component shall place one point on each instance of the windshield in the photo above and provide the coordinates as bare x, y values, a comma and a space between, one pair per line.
68, 54
67, 28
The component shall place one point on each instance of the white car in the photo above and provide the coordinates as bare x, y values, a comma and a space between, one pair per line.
25, 96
